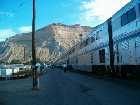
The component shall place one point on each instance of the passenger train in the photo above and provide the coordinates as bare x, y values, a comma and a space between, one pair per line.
113, 45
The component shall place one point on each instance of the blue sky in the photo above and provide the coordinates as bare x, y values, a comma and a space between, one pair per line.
16, 15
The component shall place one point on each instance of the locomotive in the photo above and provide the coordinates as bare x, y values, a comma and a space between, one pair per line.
113, 45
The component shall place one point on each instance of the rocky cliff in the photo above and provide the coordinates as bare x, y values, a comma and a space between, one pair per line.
55, 39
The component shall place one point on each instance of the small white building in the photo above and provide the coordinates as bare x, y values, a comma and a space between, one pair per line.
5, 72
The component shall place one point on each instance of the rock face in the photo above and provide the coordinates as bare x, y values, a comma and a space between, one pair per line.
51, 41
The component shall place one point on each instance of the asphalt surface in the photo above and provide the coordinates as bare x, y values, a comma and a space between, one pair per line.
59, 88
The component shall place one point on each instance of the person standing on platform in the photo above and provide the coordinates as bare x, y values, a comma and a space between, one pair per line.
65, 67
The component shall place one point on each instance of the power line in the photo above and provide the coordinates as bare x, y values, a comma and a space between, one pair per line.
21, 4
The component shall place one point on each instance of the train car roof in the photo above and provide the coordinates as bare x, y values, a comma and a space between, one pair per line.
94, 30
124, 9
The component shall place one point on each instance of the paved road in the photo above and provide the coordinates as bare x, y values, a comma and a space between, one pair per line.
59, 88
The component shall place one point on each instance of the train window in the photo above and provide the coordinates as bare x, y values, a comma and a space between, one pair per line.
125, 45
137, 42
102, 55
97, 36
68, 61
86, 42
118, 59
128, 17
117, 53
82, 44
91, 58
124, 20
131, 15
92, 39
73, 50
121, 59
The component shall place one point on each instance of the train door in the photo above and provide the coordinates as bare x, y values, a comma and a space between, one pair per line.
137, 50
102, 56
125, 52
91, 58
132, 55
117, 55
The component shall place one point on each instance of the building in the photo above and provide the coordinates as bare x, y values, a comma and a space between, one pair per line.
42, 54
5, 72
17, 54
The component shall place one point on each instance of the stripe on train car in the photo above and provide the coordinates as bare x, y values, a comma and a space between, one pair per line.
123, 37
127, 36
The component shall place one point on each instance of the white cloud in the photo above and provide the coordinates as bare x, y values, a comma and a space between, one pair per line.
6, 33
25, 29
8, 14
94, 12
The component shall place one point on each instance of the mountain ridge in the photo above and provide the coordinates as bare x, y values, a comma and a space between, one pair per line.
56, 38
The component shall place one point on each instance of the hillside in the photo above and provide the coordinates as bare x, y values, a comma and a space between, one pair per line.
56, 38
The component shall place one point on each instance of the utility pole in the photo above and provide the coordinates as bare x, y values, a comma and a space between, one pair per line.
34, 68
111, 46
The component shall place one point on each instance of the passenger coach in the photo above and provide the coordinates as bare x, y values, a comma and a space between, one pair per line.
113, 45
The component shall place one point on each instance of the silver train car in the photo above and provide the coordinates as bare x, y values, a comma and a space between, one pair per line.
113, 45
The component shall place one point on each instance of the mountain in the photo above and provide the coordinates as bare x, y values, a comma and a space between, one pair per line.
53, 39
